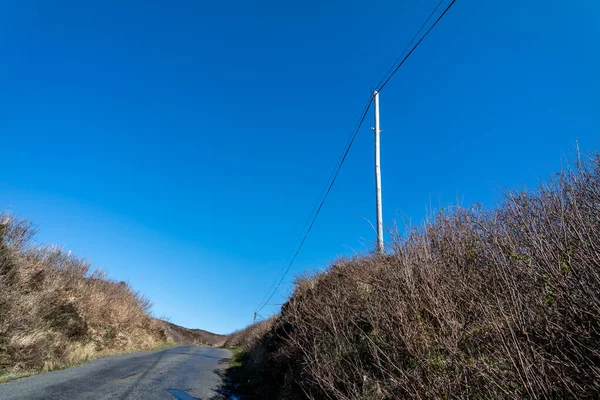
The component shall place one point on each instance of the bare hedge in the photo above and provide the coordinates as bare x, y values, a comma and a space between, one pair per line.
476, 303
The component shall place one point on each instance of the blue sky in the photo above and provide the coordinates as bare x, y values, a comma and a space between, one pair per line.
182, 145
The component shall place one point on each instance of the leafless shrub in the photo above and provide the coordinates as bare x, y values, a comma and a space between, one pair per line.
248, 337
476, 303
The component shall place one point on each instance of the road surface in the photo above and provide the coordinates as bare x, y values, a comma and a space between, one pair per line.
181, 372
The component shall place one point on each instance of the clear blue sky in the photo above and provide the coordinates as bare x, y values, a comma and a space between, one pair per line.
181, 145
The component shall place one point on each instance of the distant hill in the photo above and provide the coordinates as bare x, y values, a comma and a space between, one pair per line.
183, 335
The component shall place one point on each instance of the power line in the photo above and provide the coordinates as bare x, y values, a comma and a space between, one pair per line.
416, 45
409, 43
384, 81
264, 302
333, 178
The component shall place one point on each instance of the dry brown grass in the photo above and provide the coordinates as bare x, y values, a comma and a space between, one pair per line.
56, 311
476, 303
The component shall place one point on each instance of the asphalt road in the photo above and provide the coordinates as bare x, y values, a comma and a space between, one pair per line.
181, 372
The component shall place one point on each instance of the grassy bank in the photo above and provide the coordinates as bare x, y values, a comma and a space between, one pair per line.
475, 303
56, 311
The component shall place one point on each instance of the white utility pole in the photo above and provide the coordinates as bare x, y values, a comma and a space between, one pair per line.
378, 176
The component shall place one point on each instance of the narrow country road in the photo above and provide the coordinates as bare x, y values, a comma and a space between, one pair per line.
181, 372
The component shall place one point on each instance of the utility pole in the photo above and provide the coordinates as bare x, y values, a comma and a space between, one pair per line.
378, 176
254, 317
